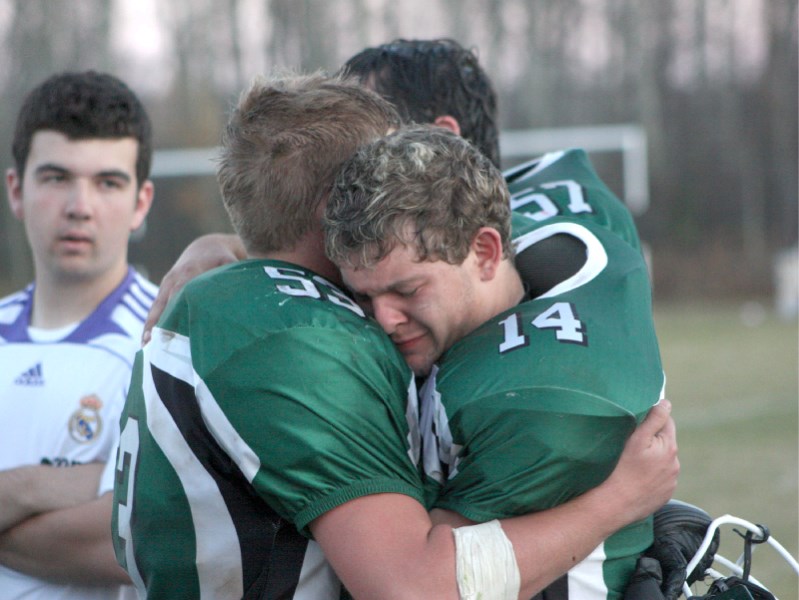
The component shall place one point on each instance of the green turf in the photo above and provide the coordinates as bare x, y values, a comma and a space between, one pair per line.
732, 375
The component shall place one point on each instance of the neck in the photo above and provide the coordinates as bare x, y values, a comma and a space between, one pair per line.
309, 253
507, 289
57, 303
497, 295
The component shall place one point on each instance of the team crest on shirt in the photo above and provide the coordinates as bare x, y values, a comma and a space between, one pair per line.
85, 424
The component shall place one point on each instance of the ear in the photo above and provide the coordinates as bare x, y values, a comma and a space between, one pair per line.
14, 193
487, 248
144, 200
448, 122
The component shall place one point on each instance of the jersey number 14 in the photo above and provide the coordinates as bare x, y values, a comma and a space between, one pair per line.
561, 317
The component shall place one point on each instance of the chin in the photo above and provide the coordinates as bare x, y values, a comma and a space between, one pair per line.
420, 367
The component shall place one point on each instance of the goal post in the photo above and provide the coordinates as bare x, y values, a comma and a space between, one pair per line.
629, 140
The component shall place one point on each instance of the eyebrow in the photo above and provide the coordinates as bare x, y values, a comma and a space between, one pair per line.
108, 173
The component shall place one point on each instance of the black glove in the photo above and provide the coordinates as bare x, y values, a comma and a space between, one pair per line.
679, 530
645, 581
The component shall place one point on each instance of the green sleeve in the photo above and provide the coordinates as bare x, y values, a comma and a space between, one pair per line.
324, 410
532, 450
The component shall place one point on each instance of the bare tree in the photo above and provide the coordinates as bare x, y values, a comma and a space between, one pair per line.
778, 91
300, 34
232, 18
723, 147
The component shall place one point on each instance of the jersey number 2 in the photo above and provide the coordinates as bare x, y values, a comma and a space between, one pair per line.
126, 480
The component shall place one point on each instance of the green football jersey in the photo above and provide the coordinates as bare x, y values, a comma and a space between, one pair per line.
534, 407
264, 400
565, 184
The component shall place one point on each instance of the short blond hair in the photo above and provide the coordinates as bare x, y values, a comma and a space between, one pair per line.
282, 148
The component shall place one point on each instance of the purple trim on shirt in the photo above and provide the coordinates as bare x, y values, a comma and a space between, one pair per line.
96, 324
17, 331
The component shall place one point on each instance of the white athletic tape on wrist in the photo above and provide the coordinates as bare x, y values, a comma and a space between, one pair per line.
485, 565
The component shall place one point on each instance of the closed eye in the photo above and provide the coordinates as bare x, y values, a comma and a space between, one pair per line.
409, 293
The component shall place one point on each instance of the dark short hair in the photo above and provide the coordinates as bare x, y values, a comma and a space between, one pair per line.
426, 79
83, 106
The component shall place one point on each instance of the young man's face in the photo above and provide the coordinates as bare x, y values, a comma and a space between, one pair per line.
425, 307
79, 202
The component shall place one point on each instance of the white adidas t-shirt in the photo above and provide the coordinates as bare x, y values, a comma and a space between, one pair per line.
61, 394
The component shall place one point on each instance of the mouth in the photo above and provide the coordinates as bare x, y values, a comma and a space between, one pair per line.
417, 352
408, 345
73, 240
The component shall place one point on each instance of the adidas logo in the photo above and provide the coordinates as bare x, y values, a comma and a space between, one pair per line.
32, 376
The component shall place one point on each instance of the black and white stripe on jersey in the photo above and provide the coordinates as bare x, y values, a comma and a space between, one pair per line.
272, 551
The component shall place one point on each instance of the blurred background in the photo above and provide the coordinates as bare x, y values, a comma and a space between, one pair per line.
688, 109
712, 84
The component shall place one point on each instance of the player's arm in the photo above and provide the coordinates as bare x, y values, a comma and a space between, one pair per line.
28, 490
203, 254
71, 545
385, 546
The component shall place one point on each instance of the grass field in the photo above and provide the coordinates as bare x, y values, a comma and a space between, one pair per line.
735, 393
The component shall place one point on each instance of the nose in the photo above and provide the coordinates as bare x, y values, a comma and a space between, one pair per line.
79, 204
388, 314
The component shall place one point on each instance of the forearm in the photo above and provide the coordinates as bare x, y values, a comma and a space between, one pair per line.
550, 543
33, 489
71, 545
384, 547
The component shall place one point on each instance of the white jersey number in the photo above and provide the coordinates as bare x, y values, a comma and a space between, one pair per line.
561, 317
318, 288
546, 207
